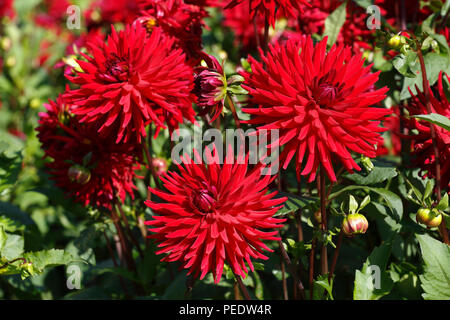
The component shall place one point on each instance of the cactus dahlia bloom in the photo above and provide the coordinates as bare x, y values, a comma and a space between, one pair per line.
423, 145
91, 170
271, 8
321, 103
133, 80
176, 19
214, 214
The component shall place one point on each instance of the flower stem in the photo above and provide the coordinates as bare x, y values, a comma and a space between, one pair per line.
108, 245
311, 269
426, 91
130, 233
324, 225
12, 261
242, 287
150, 166
283, 279
233, 110
291, 267
335, 256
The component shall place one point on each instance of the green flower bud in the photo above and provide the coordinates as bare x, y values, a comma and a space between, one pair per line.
430, 218
395, 42
367, 163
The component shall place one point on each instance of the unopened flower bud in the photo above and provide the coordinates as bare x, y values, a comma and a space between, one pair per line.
395, 42
5, 43
79, 174
354, 223
367, 163
430, 218
160, 165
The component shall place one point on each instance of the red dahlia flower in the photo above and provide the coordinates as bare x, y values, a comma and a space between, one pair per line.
239, 20
319, 101
176, 19
91, 170
130, 81
53, 14
423, 145
214, 214
270, 8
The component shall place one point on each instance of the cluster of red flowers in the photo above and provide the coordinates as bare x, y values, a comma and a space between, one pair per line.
424, 157
323, 102
92, 170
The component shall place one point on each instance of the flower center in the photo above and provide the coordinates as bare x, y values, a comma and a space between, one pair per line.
116, 69
204, 200
150, 24
326, 94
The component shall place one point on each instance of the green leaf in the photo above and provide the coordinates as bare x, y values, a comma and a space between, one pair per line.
334, 23
13, 247
48, 258
443, 204
364, 203
436, 279
393, 201
321, 285
436, 119
11, 225
428, 190
10, 166
294, 203
403, 64
434, 64
373, 282
353, 204
445, 8
382, 171
3, 238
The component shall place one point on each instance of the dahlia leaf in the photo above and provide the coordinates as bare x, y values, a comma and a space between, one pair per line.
294, 203
445, 8
334, 23
319, 285
373, 282
435, 281
3, 238
13, 247
443, 204
382, 171
436, 119
434, 64
403, 64
48, 258
10, 166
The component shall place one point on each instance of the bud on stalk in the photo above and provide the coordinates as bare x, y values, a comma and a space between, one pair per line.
430, 218
354, 223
